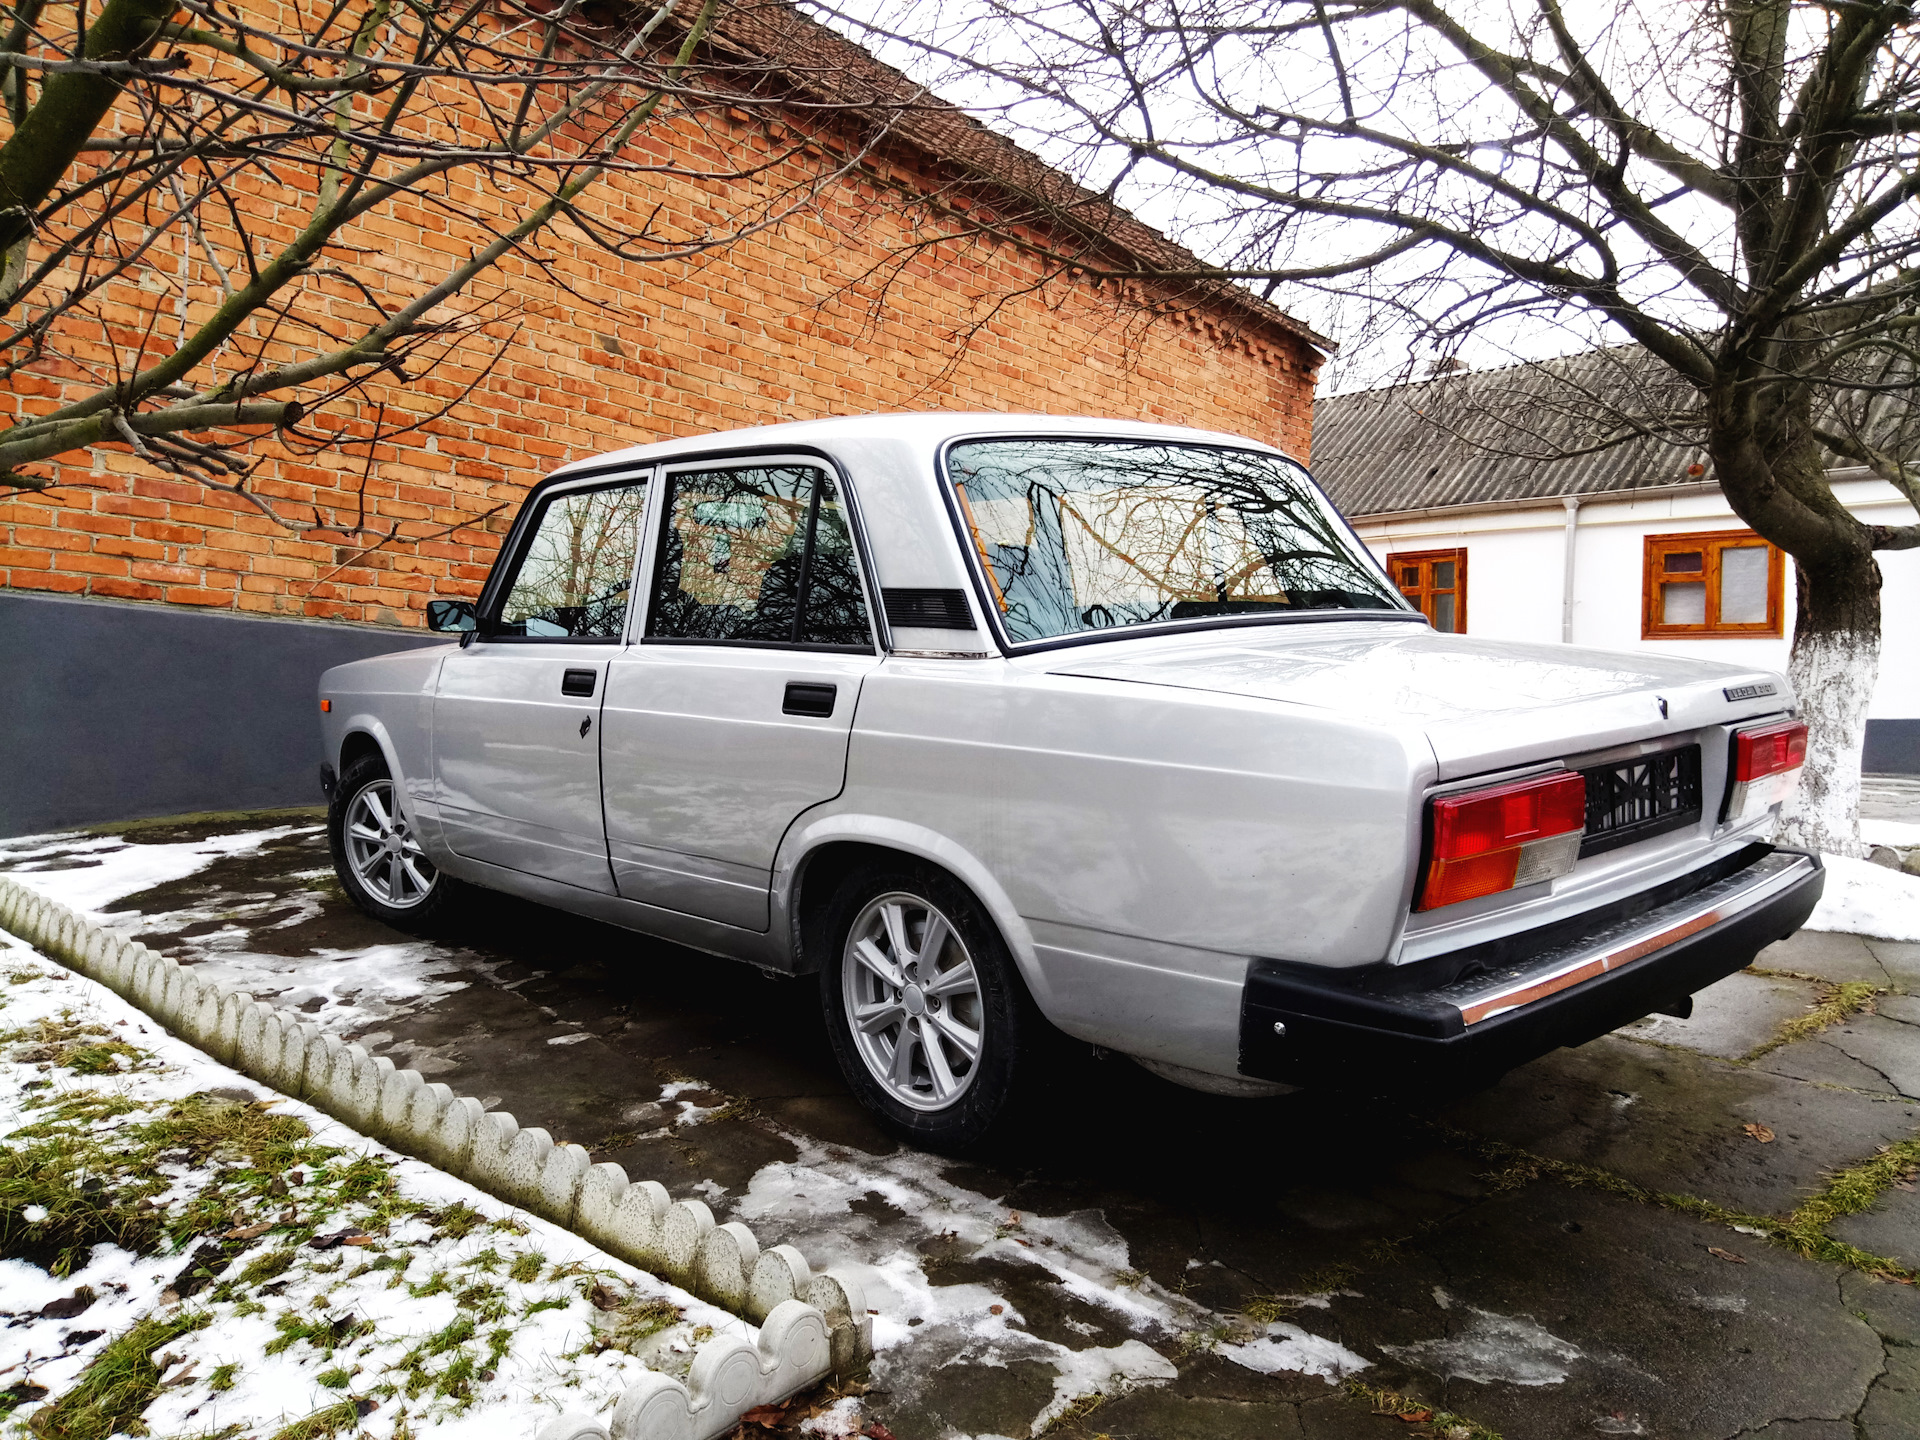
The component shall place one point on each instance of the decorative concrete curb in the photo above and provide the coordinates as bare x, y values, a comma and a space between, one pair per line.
810, 1325
729, 1378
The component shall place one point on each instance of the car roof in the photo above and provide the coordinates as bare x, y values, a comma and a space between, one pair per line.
926, 429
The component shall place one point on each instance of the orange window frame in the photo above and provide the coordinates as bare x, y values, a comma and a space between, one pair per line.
1655, 576
1423, 592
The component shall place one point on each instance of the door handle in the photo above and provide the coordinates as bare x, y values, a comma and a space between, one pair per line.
578, 682
805, 699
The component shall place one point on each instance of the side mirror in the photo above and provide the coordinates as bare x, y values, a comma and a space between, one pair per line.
455, 616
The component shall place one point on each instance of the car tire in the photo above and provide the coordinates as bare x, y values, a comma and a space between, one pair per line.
375, 854
967, 985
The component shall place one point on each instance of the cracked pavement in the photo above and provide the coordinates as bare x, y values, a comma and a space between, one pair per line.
1217, 1267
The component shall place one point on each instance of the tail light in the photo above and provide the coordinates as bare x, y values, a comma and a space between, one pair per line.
1766, 766
1486, 841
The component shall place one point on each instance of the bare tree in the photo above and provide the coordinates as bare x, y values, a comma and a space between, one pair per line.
1731, 186
196, 201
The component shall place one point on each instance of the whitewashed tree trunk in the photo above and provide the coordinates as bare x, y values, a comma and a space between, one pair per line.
1833, 676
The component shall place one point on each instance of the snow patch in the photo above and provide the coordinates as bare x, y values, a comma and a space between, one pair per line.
1862, 898
1289, 1348
911, 1208
1491, 1349
1901, 834
1102, 1372
112, 869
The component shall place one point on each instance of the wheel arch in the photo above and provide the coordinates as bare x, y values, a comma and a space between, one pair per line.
820, 857
362, 735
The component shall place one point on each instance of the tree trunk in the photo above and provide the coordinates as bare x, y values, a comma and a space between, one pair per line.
1835, 663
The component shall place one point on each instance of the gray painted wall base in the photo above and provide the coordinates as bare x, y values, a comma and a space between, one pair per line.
1893, 747
112, 711
115, 711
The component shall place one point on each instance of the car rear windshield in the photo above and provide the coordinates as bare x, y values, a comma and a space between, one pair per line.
1079, 535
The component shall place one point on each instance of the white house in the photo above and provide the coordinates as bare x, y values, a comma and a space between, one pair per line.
1626, 548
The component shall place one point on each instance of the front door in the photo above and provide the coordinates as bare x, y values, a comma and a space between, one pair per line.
733, 713
516, 744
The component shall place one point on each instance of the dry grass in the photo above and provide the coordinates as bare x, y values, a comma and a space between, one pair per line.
1837, 1002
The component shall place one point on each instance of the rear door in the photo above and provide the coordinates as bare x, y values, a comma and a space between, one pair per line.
516, 745
732, 713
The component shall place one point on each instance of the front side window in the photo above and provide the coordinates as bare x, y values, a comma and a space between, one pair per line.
758, 554
1720, 583
1079, 535
573, 578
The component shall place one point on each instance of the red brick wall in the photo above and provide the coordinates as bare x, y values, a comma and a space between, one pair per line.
756, 333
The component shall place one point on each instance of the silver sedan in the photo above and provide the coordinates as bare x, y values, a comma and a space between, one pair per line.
1014, 727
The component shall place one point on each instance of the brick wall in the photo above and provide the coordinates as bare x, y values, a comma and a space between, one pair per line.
779, 326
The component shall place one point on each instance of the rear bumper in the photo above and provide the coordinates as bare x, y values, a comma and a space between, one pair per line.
1318, 1027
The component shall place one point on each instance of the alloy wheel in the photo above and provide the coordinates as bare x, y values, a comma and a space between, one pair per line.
913, 1001
385, 856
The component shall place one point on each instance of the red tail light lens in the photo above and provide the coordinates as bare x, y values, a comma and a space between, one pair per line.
1766, 767
1768, 750
1486, 841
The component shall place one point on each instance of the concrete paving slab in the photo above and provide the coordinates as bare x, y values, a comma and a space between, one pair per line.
1899, 1007
1171, 1410
1732, 1017
1888, 1047
1554, 1313
1892, 1409
1901, 960
1672, 1121
1891, 1228
1826, 953
1820, 1063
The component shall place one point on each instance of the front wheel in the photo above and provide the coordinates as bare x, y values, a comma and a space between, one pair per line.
930, 1021
375, 852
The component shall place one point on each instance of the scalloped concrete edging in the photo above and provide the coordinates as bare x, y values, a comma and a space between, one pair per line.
810, 1325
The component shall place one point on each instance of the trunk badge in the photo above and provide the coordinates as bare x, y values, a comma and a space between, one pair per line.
1661, 700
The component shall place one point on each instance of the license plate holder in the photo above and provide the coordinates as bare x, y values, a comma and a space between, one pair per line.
1633, 800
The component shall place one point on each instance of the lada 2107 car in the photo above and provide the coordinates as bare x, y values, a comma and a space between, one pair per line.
1001, 723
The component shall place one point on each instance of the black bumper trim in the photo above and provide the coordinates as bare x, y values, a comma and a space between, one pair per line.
1330, 1034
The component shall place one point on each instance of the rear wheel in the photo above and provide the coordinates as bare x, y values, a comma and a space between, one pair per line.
375, 852
929, 1019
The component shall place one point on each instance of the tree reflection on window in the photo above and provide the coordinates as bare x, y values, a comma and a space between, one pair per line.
1083, 535
758, 554
574, 578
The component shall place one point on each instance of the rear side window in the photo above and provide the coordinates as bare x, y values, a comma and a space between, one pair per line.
574, 577
758, 555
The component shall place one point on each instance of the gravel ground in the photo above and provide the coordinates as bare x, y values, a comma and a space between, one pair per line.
1695, 1228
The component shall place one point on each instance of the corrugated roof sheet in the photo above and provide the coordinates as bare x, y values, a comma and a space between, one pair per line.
1525, 432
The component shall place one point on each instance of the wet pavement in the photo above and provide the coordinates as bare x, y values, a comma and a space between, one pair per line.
1586, 1248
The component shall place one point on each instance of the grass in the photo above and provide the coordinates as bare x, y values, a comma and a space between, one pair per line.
634, 1322
1084, 1406
78, 1045
1837, 1002
120, 1383
1442, 1422
331, 1420
1847, 1192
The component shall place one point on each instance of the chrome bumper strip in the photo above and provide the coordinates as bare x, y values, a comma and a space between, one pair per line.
1511, 986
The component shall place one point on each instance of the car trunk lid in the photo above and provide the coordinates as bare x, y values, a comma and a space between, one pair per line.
1484, 705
